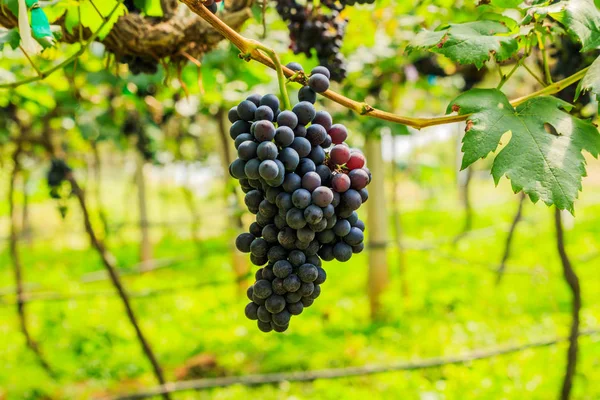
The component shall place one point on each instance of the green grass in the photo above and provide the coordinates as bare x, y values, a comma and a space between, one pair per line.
453, 307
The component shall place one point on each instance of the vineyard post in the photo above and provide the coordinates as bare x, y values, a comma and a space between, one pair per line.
378, 226
146, 253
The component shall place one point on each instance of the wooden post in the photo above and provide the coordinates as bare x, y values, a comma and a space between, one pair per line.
377, 226
145, 241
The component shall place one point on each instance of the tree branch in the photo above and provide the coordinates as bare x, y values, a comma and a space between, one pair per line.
245, 47
334, 373
509, 238
573, 282
18, 269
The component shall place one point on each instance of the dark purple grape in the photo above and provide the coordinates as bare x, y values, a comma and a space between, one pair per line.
297, 258
321, 70
268, 169
342, 227
263, 314
295, 218
277, 253
242, 138
246, 110
327, 236
247, 150
264, 113
264, 131
267, 151
251, 311
305, 235
263, 326
306, 289
287, 118
233, 115
305, 112
301, 198
317, 155
243, 242
255, 98
316, 134
306, 165
318, 83
236, 169
311, 180
338, 133
282, 318
262, 289
313, 214
284, 136
355, 237
322, 196
301, 145
292, 182
282, 269
340, 183
351, 199
291, 283
342, 252
295, 308
238, 128
307, 94
275, 304
294, 66
270, 100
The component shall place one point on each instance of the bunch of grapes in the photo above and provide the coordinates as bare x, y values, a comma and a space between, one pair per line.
304, 193
311, 28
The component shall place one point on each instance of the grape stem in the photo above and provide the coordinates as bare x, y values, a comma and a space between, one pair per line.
245, 45
255, 45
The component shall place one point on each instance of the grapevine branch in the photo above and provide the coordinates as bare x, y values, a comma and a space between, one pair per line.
511, 233
248, 48
573, 282
334, 373
18, 268
44, 74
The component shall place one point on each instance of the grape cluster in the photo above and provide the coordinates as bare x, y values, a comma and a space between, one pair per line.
56, 175
304, 193
311, 28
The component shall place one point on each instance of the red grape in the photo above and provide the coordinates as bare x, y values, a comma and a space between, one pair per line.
338, 133
340, 183
340, 154
356, 161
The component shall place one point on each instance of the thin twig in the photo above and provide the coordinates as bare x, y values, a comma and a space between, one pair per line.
244, 45
537, 78
279, 68
18, 269
30, 61
44, 74
468, 209
508, 243
335, 373
573, 283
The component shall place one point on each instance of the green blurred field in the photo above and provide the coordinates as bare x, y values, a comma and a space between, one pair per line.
453, 306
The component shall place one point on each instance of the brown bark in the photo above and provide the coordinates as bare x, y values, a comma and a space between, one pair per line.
150, 37
573, 282
511, 233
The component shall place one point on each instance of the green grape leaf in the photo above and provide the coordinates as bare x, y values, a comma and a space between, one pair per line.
580, 17
91, 19
591, 81
9, 37
543, 156
469, 43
